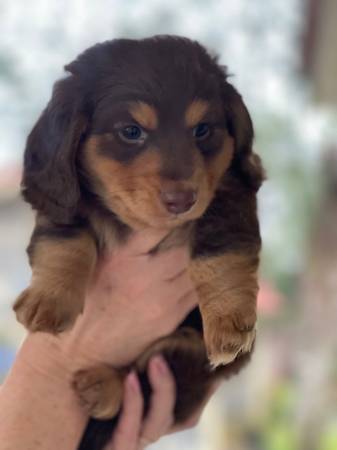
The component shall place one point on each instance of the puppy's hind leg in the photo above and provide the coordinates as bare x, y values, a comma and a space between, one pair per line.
100, 390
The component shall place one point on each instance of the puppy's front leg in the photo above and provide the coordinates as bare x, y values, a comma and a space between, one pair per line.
227, 288
62, 260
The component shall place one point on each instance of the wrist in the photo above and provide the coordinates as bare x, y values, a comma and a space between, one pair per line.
44, 355
38, 395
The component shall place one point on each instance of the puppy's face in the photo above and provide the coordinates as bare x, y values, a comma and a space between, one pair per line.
158, 145
150, 127
155, 166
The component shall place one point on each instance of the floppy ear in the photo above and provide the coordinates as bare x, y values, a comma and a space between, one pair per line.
50, 181
246, 163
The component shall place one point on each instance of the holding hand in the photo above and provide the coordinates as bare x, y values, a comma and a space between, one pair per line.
135, 298
134, 433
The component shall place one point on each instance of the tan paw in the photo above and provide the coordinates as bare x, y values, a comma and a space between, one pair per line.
39, 310
228, 337
100, 390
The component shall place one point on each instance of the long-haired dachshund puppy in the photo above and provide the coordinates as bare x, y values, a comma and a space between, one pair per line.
146, 133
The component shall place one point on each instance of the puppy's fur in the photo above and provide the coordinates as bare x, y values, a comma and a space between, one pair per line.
142, 134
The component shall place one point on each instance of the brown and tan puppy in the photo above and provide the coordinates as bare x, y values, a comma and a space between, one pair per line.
146, 133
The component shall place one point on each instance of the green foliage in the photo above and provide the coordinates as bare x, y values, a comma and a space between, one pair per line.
278, 429
329, 437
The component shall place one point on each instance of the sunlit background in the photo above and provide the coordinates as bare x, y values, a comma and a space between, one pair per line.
283, 57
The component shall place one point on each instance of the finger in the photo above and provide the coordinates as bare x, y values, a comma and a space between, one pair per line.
170, 263
160, 416
188, 302
193, 420
165, 266
99, 270
142, 242
127, 432
178, 299
162, 266
179, 313
180, 284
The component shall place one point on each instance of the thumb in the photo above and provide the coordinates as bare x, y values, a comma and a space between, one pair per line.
142, 242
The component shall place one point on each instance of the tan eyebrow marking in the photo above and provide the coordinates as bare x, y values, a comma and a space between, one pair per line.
195, 112
144, 114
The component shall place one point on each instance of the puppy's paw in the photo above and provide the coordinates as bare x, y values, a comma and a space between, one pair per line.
100, 390
39, 310
227, 337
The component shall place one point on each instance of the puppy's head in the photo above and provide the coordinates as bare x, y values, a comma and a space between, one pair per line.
149, 127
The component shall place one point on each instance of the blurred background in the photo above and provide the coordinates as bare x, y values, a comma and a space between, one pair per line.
283, 58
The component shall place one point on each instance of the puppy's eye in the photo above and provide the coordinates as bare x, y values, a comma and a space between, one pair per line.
201, 131
132, 134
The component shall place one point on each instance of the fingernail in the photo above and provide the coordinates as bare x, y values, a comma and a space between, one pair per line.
160, 365
132, 381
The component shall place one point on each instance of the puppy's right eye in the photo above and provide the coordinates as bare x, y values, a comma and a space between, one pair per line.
132, 134
201, 131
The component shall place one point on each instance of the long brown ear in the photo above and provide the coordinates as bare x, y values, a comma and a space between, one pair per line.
246, 163
50, 181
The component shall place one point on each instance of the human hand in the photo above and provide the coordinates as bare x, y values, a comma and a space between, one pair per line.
133, 432
134, 299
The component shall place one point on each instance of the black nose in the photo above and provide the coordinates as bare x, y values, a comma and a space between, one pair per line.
178, 202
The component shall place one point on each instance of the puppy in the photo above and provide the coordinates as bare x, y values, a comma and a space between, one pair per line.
146, 133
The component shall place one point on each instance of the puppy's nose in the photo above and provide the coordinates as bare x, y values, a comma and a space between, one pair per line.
178, 202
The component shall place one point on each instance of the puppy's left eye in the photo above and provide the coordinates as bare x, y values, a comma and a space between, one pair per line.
132, 134
201, 131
